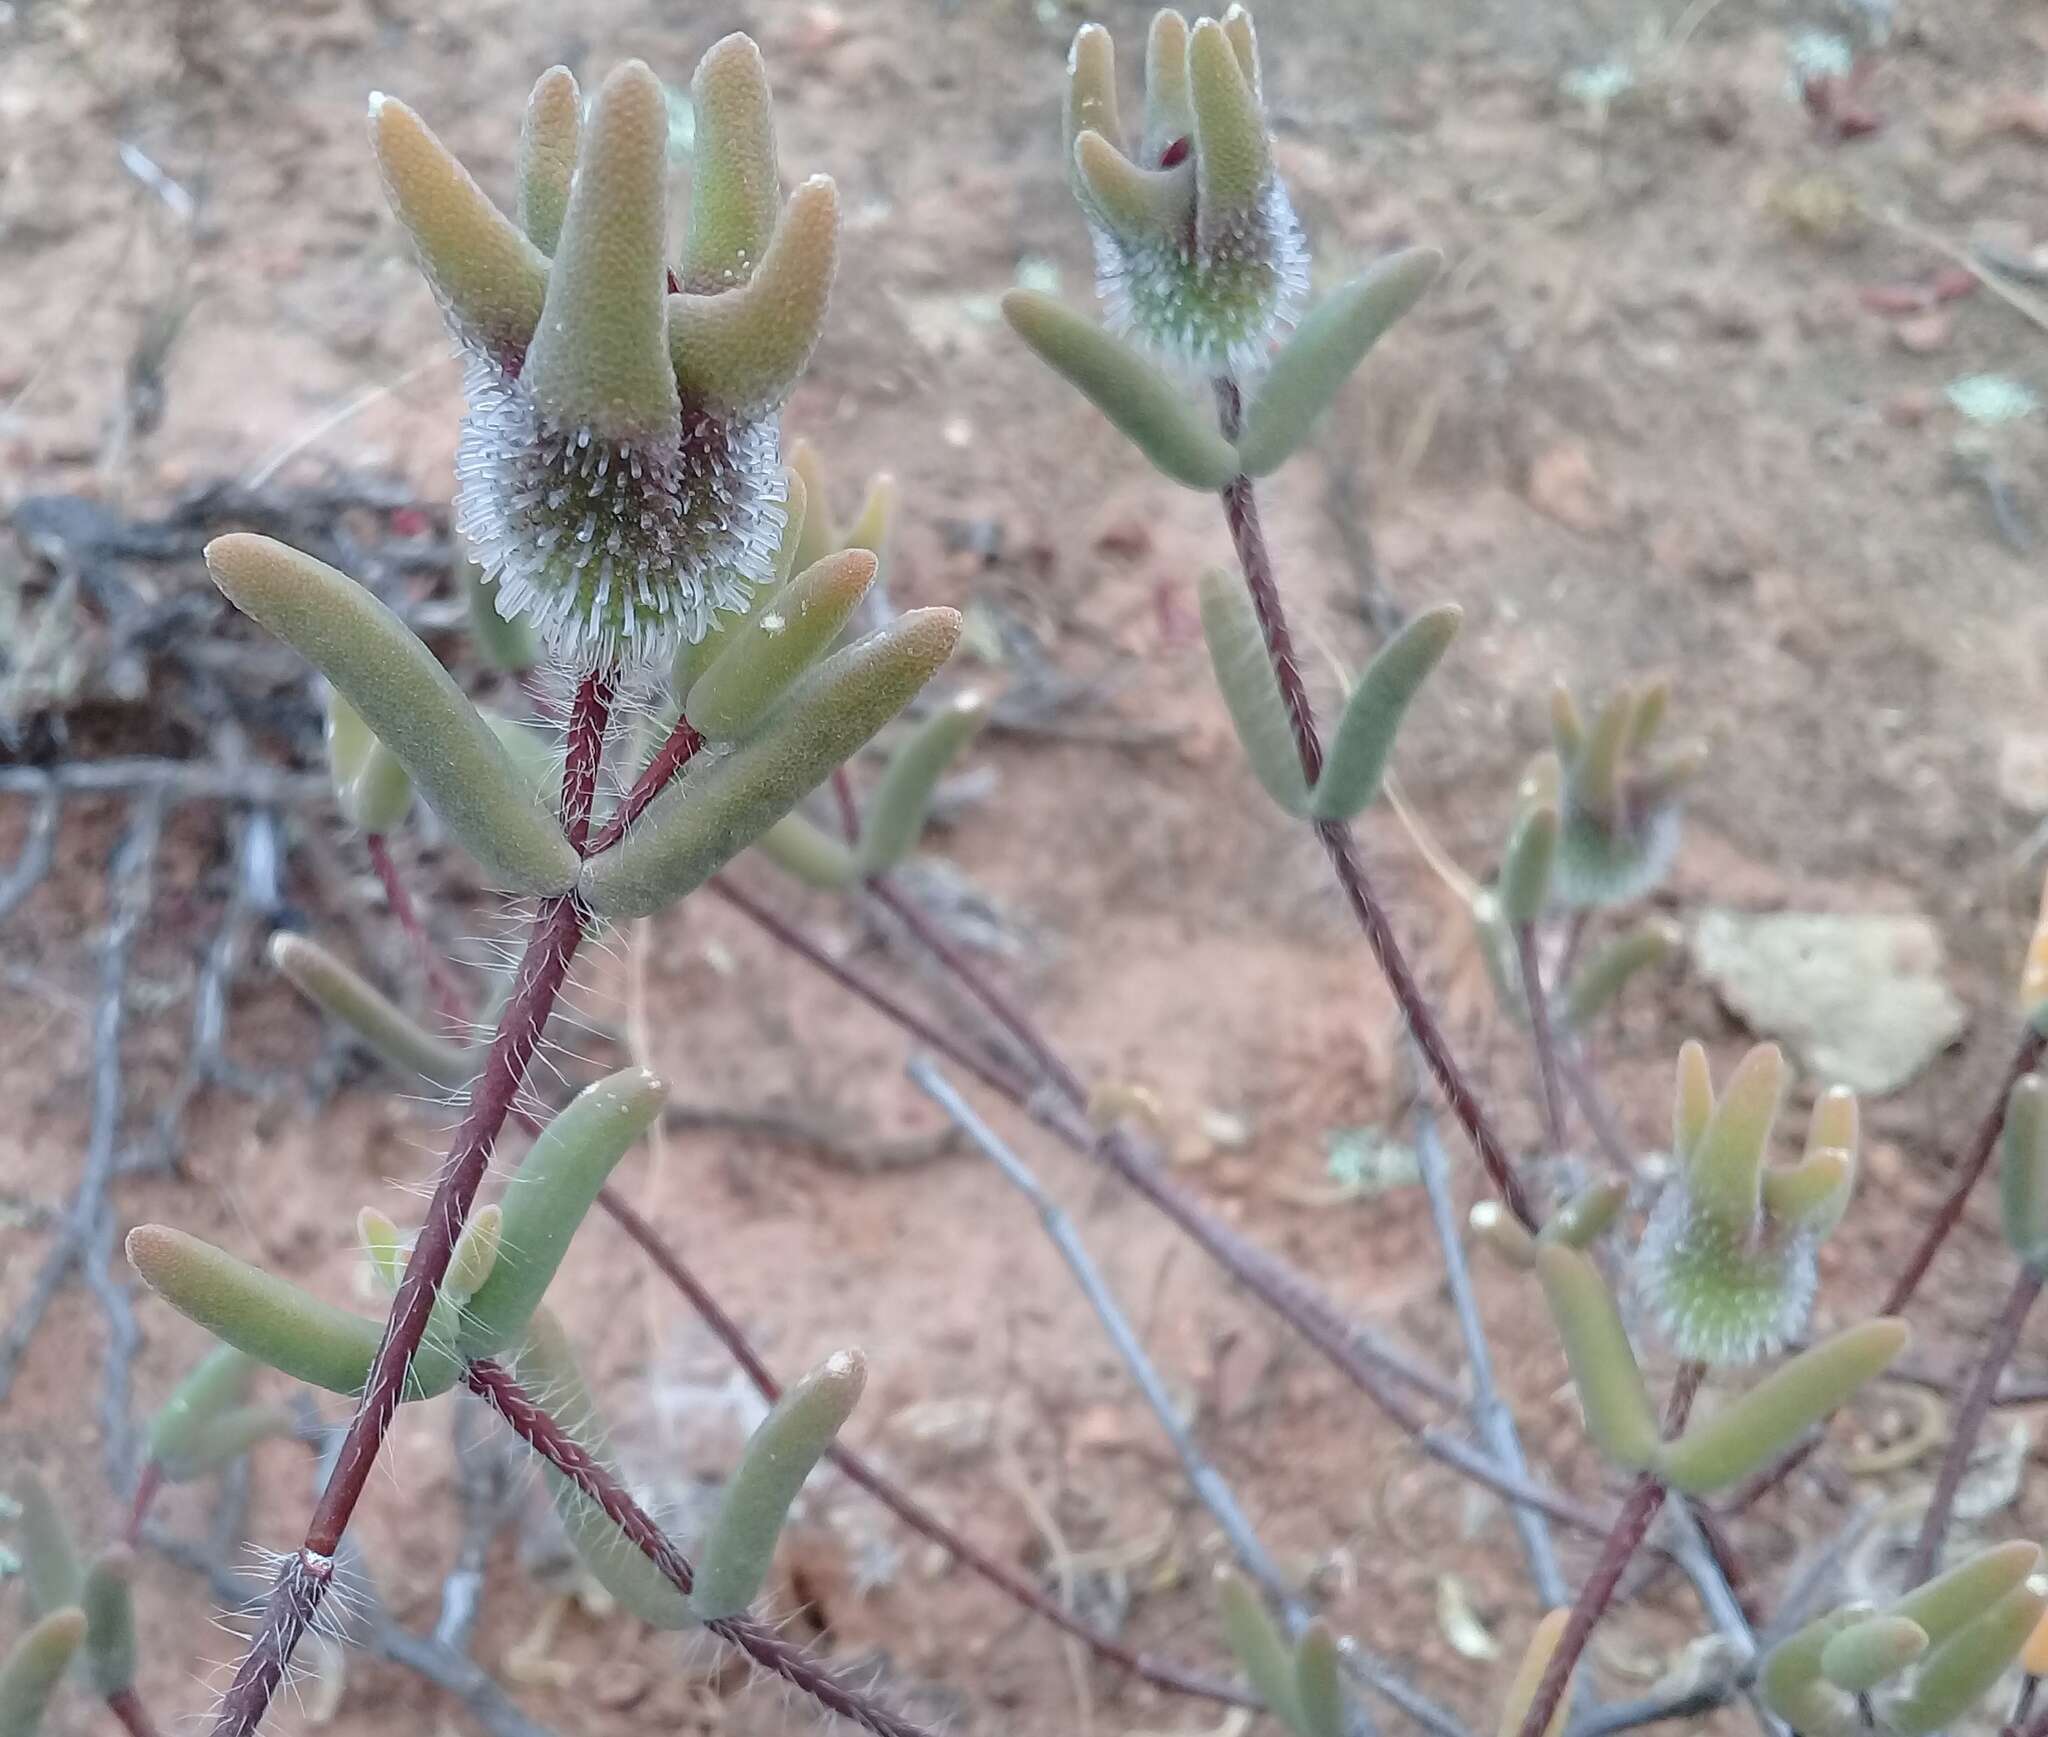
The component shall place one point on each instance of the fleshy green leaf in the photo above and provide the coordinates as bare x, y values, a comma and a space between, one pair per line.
49, 1559
763, 657
109, 1606
1724, 1168
1525, 873
1323, 353
1153, 413
715, 811
554, 1187
1960, 1670
1949, 1601
217, 1384
1580, 1222
599, 360
1237, 653
1316, 1686
475, 1254
547, 155
407, 698
2023, 1169
793, 1437
1233, 158
35, 1667
1870, 1652
489, 279
796, 846
273, 1320
1608, 972
1791, 1684
1259, 1646
1748, 1433
1603, 1364
332, 987
895, 816
1089, 102
734, 187
1142, 205
1372, 714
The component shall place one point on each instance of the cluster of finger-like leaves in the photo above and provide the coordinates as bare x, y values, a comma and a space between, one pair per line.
1726, 1264
1613, 796
1201, 265
1727, 1259
1921, 1663
618, 471
1299, 1682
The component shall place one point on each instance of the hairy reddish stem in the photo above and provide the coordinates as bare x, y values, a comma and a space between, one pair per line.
303, 1579
1163, 1673
146, 1487
541, 1432
1969, 1424
669, 759
1255, 563
448, 998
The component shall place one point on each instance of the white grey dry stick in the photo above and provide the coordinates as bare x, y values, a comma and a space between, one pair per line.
1209, 1485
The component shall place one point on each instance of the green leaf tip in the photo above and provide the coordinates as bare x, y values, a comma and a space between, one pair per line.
2023, 1170
1748, 1433
390, 1033
1871, 1652
1724, 1168
734, 188
599, 360
1324, 351
1525, 871
548, 140
555, 1186
764, 655
488, 277
49, 1558
271, 1319
217, 1384
1965, 1592
34, 1667
810, 853
1364, 738
896, 812
1495, 1226
1601, 1360
1619, 802
1603, 977
1317, 1689
715, 811
1959, 1671
1146, 407
1232, 154
404, 695
1251, 692
794, 1436
1259, 1647
1151, 205
108, 1601
741, 350
1586, 1216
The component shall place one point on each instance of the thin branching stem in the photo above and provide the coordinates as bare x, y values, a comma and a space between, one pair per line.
1210, 1487
305, 1576
1255, 563
1969, 1423
671, 757
449, 1000
1163, 1673
532, 1423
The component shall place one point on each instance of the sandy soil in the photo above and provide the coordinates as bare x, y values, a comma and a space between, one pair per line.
1651, 421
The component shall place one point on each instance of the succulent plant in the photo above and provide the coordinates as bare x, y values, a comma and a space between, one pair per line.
1727, 1259
618, 473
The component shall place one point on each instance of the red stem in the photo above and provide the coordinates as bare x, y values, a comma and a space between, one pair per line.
673, 755
1969, 1424
1241, 511
305, 1575
589, 717
449, 1001
146, 1487
849, 810
547, 1438
1162, 1672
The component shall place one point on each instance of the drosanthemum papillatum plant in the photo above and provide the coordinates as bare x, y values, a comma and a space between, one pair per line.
637, 530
